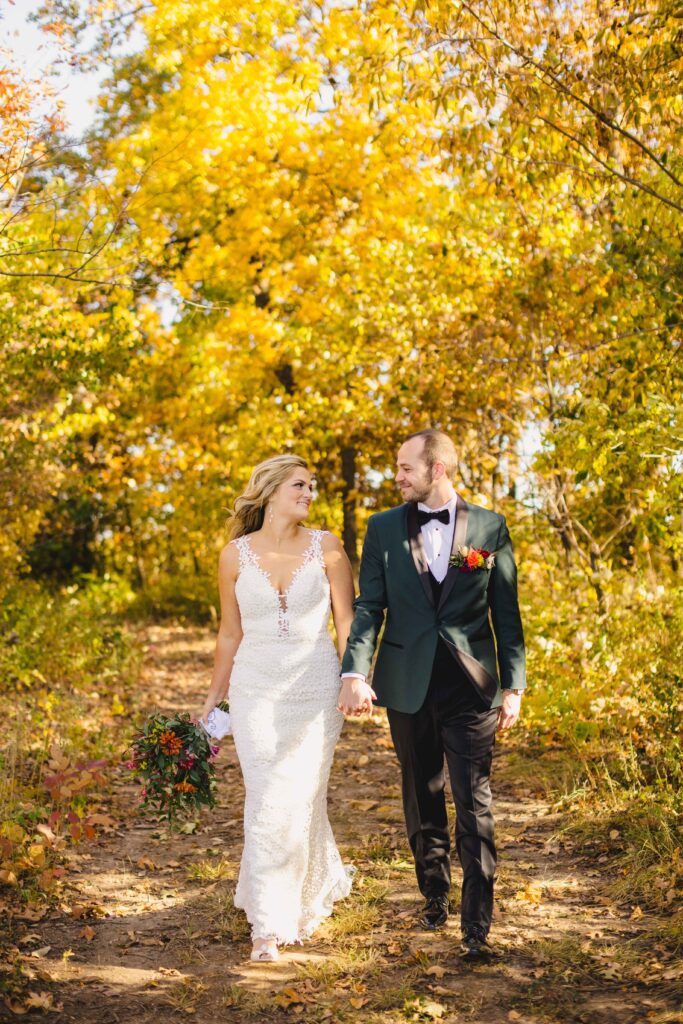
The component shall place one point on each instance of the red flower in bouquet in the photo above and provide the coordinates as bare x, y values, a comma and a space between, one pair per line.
468, 559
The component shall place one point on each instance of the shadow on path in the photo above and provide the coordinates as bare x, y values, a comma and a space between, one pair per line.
146, 927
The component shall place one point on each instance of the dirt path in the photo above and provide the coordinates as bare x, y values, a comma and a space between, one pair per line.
146, 927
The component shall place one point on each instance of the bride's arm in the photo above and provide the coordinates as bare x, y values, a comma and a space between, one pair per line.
229, 632
356, 695
340, 575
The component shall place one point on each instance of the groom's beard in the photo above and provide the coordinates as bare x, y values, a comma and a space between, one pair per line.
418, 491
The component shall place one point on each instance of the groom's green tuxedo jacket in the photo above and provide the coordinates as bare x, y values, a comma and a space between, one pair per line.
473, 608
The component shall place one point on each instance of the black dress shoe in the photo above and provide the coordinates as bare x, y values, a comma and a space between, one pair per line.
474, 945
435, 912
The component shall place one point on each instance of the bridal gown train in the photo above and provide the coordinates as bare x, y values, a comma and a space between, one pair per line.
284, 689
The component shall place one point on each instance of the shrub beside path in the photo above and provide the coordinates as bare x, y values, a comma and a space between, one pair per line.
145, 926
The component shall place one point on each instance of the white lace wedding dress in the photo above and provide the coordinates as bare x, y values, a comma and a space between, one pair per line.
284, 689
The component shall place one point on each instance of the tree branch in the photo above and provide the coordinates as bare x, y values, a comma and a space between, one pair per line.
546, 72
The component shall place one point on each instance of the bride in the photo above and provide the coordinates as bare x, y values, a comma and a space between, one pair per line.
274, 654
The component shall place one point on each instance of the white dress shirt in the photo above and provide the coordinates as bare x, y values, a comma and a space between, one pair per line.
437, 539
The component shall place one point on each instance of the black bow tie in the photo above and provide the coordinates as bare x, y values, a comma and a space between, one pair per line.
443, 515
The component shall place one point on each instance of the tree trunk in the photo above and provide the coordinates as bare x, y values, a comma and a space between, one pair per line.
140, 576
349, 534
595, 579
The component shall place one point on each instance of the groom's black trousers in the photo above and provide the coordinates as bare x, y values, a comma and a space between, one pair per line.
454, 724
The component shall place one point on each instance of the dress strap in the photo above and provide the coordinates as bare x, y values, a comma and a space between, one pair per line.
316, 548
245, 551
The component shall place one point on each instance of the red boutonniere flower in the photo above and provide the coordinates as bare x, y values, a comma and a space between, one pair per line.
470, 559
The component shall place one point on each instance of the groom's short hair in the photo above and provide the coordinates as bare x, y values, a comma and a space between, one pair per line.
438, 447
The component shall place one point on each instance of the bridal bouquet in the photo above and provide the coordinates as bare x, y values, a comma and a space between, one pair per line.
174, 758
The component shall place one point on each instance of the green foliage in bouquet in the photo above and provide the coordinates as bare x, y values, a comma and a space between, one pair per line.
174, 756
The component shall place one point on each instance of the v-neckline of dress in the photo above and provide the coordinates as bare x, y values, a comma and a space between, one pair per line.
280, 594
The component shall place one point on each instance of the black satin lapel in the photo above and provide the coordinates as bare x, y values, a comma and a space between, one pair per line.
459, 538
417, 550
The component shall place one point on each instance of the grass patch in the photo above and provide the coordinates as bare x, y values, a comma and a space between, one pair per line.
250, 1003
397, 996
645, 840
185, 995
378, 848
226, 920
351, 963
352, 919
211, 870
372, 891
548, 771
612, 810
568, 970
359, 913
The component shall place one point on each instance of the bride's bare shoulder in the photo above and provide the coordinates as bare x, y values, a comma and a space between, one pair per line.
331, 544
229, 559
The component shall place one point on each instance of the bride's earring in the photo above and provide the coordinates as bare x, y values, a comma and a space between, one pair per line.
270, 515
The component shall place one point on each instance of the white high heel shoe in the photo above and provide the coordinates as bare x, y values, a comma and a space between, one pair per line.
265, 950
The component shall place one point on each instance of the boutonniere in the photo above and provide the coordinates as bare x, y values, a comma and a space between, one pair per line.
470, 559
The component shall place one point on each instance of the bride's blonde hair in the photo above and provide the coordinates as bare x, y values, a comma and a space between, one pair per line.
250, 506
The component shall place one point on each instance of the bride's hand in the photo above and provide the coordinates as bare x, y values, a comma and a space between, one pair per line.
205, 712
356, 697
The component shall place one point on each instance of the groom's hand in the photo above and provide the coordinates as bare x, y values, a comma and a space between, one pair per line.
356, 697
509, 712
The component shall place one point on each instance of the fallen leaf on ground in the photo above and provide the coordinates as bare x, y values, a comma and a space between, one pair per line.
611, 972
435, 971
433, 1010
40, 1000
32, 914
87, 933
14, 1006
289, 997
364, 805
105, 820
531, 893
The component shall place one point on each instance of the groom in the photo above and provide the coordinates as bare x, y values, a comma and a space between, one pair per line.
450, 669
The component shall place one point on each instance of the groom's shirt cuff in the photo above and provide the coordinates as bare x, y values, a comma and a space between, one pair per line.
354, 675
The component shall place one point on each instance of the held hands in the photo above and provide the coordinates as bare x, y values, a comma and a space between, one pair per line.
356, 697
509, 712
